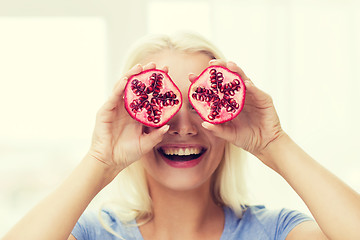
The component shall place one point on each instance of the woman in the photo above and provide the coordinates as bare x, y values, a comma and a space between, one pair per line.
202, 201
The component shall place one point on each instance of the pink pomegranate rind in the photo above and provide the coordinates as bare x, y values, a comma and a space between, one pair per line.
152, 98
218, 94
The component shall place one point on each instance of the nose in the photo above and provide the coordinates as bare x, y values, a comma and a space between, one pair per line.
182, 124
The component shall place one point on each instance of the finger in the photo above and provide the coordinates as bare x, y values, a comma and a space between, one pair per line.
134, 70
148, 141
165, 69
251, 89
119, 83
192, 77
217, 62
119, 89
224, 131
235, 68
255, 93
138, 68
150, 65
116, 95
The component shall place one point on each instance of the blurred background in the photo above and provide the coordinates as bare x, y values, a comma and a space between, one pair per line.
60, 59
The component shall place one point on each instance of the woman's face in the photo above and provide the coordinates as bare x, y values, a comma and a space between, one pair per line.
188, 154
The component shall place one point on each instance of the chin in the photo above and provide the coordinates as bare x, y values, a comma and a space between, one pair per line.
176, 174
178, 181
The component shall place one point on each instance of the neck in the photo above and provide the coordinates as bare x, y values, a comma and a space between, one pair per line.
190, 214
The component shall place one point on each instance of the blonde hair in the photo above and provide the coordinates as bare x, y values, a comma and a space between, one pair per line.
228, 185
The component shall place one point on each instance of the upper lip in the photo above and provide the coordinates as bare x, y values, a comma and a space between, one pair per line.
181, 145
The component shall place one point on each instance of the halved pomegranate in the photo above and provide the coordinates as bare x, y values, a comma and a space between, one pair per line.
218, 94
152, 98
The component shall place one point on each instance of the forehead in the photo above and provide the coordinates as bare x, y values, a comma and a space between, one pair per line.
180, 65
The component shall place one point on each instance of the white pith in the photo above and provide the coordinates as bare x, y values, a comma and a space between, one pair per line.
182, 151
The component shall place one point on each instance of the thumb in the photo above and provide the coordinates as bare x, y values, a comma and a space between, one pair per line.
148, 141
224, 131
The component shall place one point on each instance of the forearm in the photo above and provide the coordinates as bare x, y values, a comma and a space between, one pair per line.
57, 214
334, 205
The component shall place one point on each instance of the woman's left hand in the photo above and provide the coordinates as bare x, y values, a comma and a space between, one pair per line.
257, 125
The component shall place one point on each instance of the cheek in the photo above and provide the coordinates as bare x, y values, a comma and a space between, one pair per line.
217, 149
148, 160
152, 165
217, 144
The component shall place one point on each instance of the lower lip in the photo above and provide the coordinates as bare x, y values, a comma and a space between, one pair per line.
184, 164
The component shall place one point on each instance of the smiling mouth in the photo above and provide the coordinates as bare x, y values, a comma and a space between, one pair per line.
182, 154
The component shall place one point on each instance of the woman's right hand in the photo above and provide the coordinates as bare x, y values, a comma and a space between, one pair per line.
118, 140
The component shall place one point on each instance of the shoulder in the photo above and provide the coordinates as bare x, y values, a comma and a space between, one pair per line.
259, 222
103, 224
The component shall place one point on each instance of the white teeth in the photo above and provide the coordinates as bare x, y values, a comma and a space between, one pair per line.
181, 151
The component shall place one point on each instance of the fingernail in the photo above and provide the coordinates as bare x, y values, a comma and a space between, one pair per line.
192, 75
248, 82
165, 128
206, 125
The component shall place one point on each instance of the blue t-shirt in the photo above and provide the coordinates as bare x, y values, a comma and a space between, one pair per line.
257, 223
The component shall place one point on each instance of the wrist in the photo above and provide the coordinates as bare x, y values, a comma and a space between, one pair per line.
269, 155
99, 170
